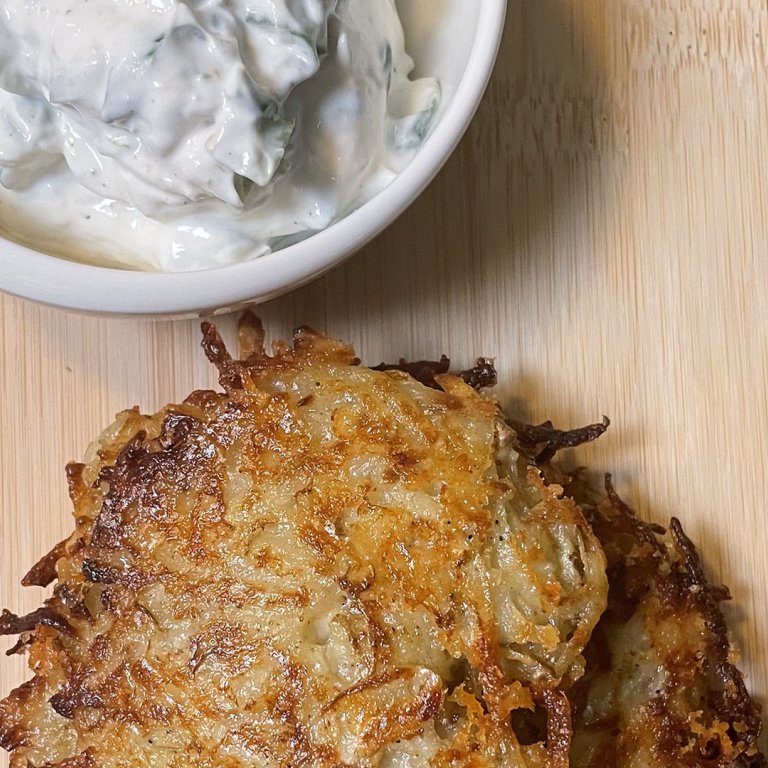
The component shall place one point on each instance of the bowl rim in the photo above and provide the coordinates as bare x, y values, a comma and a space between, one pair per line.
86, 288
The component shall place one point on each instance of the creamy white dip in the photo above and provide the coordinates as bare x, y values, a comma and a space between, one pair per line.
185, 134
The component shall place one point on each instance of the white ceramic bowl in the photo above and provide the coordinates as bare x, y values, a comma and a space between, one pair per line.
454, 40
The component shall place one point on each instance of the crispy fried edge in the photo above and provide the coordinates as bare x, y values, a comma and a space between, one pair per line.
730, 701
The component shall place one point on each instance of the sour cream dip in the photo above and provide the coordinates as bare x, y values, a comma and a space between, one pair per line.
179, 135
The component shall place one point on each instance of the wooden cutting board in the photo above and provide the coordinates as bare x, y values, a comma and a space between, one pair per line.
602, 232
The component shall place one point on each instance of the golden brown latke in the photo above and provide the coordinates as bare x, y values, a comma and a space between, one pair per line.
323, 565
660, 688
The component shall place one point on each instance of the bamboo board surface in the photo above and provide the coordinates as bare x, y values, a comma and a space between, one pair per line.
601, 232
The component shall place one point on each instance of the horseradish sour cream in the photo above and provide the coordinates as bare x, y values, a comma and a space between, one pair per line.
183, 134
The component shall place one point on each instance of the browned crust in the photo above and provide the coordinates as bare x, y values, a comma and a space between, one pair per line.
217, 353
423, 371
251, 336
559, 726
43, 572
74, 694
702, 715
480, 376
11, 624
541, 442
83, 760
13, 731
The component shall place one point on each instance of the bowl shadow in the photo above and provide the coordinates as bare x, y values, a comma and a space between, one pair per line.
520, 174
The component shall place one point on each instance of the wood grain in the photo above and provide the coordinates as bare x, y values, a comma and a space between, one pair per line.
601, 232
